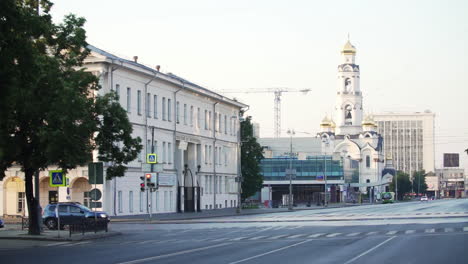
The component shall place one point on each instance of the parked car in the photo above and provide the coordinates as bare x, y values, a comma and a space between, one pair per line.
70, 213
424, 198
1, 223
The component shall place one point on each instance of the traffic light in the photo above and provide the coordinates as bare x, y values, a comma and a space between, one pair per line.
148, 179
142, 184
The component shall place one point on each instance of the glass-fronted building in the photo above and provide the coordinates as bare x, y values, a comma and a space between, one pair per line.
308, 184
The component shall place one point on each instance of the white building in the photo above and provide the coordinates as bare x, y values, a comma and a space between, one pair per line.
348, 133
409, 138
195, 138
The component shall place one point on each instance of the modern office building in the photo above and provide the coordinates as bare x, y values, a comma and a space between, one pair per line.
409, 138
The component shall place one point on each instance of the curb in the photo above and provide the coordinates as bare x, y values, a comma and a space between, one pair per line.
45, 238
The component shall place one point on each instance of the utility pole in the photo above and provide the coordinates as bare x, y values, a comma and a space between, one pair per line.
290, 203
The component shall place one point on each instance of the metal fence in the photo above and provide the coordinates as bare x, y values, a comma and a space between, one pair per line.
87, 225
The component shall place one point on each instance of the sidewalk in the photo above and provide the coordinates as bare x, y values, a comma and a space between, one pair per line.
167, 217
51, 235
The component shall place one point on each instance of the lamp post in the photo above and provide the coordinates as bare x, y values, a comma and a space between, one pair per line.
290, 204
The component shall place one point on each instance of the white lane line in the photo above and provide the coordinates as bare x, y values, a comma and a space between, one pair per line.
258, 237
238, 238
410, 231
448, 229
57, 244
294, 227
75, 244
269, 252
465, 229
353, 234
368, 251
371, 233
296, 236
172, 254
316, 235
391, 232
429, 230
333, 235
276, 237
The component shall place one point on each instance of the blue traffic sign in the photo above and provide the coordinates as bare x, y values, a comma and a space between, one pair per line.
57, 178
152, 158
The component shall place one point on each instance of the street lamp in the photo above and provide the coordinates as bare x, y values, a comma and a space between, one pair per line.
291, 133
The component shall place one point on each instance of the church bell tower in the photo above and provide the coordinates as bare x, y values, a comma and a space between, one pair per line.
348, 108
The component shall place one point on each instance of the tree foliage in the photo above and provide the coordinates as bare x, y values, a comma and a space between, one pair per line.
419, 182
251, 155
404, 184
49, 111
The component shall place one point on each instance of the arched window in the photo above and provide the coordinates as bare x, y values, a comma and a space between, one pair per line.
347, 85
367, 161
348, 115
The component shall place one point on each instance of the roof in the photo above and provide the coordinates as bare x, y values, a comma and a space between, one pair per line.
170, 76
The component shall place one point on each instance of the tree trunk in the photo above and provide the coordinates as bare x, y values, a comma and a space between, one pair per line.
34, 228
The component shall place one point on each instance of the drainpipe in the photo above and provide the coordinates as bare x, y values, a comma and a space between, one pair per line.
179, 200
215, 182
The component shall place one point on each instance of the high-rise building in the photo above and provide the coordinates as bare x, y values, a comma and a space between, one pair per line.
409, 138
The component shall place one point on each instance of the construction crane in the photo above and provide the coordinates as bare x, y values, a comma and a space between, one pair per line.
277, 107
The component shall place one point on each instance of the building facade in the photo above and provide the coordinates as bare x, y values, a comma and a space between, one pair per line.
451, 182
193, 131
409, 139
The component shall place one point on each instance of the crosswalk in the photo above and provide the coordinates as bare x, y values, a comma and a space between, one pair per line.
288, 236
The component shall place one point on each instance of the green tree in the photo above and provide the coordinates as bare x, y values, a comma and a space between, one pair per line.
419, 182
49, 113
404, 184
251, 155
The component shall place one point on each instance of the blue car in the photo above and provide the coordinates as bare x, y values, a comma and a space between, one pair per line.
1, 223
70, 213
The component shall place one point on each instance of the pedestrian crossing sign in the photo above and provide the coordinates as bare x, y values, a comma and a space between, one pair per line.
151, 158
57, 178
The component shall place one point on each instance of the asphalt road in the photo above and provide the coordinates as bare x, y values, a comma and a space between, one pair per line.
433, 232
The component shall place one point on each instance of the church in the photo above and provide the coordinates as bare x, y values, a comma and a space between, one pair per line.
351, 136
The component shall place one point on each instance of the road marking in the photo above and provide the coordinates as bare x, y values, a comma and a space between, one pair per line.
391, 232
269, 252
238, 238
333, 235
316, 235
410, 231
75, 244
371, 233
430, 230
353, 234
255, 238
449, 229
57, 244
296, 236
294, 227
173, 254
368, 251
276, 237
465, 229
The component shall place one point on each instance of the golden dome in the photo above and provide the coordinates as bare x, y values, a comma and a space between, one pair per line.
369, 121
348, 48
325, 122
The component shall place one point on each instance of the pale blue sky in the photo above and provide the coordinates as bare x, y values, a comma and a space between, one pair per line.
412, 54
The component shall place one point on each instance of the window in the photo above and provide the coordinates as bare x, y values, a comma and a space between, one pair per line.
348, 115
141, 202
215, 156
198, 117
225, 156
169, 153
209, 120
117, 91
164, 109
206, 120
206, 154
191, 115
148, 105
171, 201
130, 201
185, 114
119, 200
75, 209
129, 99
367, 162
177, 112
219, 123
225, 124
165, 201
21, 202
169, 110
155, 106
209, 155
148, 146
215, 121
164, 152
139, 102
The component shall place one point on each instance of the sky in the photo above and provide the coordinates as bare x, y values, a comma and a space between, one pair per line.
412, 54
